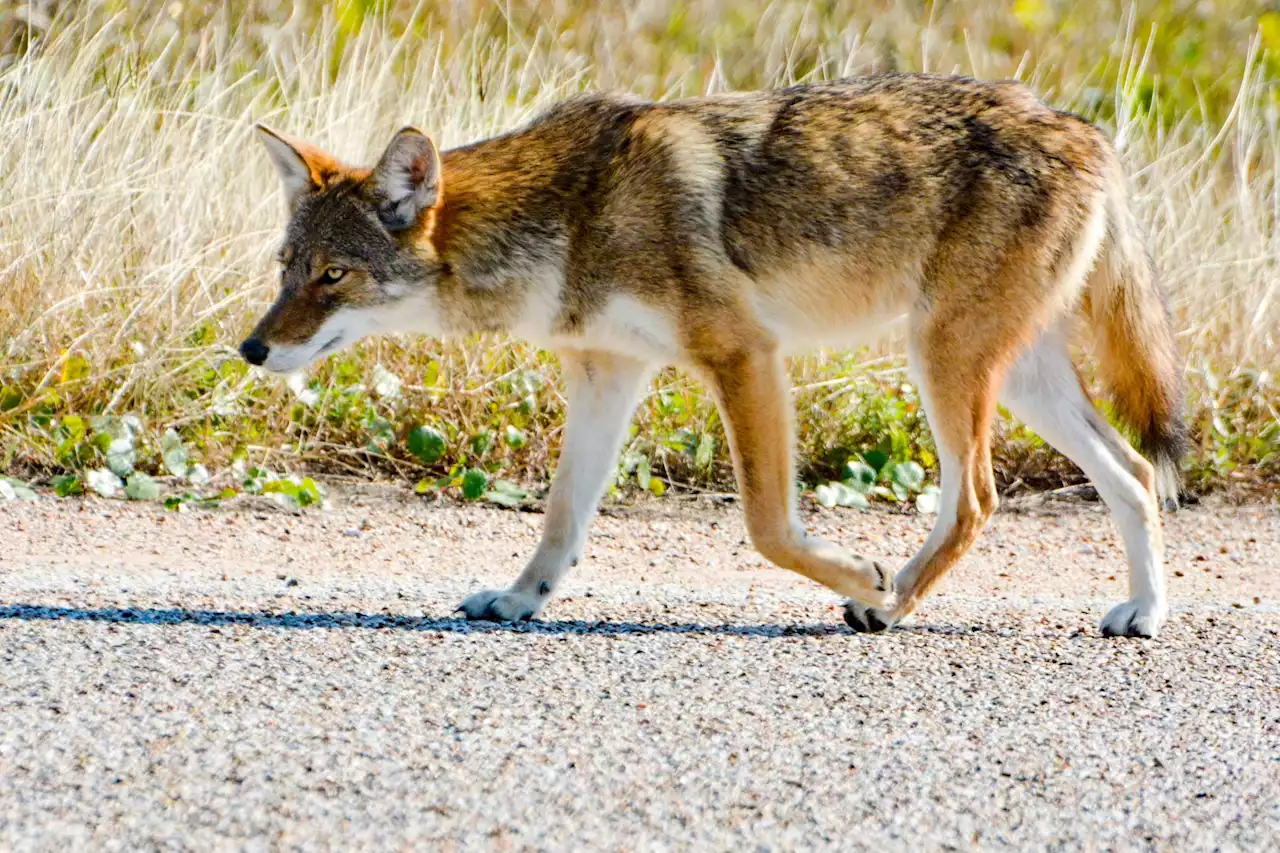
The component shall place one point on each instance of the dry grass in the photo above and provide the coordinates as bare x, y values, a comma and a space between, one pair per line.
138, 218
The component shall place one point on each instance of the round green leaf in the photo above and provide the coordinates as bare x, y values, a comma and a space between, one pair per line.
121, 457
73, 426
427, 444
909, 474
506, 493
65, 485
280, 487
10, 398
474, 484
859, 475
927, 501
706, 451
514, 438
481, 442
846, 496
103, 482
175, 455
308, 493
875, 458
13, 489
644, 476
141, 487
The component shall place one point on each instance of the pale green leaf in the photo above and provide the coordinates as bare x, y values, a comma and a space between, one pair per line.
927, 501
514, 438
141, 487
644, 477
909, 474
121, 457
174, 453
859, 475
103, 482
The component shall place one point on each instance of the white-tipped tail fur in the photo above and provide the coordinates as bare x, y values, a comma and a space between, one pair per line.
1137, 355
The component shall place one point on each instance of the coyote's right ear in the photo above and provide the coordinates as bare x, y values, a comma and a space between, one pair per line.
407, 179
303, 168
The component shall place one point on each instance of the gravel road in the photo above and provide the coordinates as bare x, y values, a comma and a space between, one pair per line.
244, 679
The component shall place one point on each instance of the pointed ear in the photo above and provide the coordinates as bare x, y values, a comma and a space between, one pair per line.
303, 167
407, 179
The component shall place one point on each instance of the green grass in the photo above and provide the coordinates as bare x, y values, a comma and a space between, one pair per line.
138, 218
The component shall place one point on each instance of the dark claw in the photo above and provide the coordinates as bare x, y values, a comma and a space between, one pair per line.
864, 621
884, 577
1110, 632
491, 615
1130, 630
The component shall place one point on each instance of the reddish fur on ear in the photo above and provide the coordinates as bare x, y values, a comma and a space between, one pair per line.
303, 167
324, 167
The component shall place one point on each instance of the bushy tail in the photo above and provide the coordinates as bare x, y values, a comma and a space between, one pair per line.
1133, 335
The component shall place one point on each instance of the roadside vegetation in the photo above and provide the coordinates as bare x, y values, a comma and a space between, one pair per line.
138, 220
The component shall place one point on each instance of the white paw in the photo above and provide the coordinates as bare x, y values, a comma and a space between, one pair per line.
867, 620
501, 605
1141, 617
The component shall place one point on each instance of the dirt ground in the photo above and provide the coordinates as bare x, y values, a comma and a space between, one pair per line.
244, 678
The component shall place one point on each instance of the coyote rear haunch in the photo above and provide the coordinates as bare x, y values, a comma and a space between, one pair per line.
720, 233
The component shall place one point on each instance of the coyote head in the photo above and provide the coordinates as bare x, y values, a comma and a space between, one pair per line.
354, 259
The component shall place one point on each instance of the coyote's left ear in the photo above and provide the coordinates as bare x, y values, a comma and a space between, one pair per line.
407, 179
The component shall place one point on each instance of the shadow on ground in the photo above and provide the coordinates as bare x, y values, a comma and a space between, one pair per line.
370, 621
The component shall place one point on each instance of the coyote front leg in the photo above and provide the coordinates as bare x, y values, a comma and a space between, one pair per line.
602, 391
752, 394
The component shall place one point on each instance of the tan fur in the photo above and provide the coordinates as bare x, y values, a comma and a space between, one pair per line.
1138, 355
750, 388
720, 232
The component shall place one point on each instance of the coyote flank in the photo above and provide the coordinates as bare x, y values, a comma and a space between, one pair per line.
720, 233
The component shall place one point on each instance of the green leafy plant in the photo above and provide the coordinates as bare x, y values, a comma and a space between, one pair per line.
875, 475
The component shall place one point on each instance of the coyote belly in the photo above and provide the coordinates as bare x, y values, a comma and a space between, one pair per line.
718, 233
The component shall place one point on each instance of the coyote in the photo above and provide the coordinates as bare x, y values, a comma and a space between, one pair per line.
720, 233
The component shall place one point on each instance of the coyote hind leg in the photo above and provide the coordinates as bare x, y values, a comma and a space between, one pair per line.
750, 388
1045, 392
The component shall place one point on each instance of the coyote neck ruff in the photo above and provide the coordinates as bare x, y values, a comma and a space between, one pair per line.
718, 233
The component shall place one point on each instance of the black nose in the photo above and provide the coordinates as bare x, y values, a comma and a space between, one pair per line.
254, 351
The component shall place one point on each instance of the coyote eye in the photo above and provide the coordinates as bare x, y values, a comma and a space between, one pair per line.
332, 274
